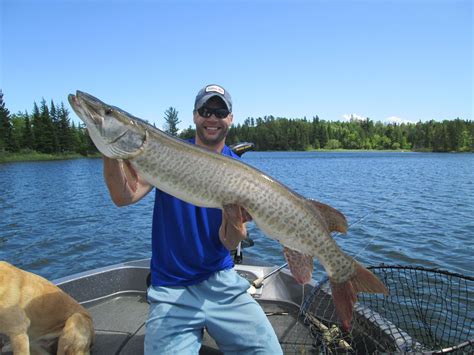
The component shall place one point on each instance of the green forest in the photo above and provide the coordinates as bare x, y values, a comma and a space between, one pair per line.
46, 130
49, 130
279, 133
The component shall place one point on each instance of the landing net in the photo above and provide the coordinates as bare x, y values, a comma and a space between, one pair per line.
427, 311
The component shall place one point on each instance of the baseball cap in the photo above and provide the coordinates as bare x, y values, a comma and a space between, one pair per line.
210, 91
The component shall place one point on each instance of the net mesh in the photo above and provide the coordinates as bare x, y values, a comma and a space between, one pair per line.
427, 310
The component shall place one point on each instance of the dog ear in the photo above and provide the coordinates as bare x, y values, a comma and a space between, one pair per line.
77, 335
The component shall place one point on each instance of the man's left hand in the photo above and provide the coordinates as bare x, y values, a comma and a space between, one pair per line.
233, 230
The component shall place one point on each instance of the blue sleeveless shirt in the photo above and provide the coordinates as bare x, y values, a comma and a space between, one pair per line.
186, 248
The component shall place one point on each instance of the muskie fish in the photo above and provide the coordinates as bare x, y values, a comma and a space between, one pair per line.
207, 179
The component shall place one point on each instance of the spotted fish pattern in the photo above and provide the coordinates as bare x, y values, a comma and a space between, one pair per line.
204, 178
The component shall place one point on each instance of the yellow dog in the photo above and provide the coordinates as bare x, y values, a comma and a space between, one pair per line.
36, 314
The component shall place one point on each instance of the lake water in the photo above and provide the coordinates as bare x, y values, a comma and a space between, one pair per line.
56, 218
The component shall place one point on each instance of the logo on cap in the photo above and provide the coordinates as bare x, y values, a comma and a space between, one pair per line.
215, 88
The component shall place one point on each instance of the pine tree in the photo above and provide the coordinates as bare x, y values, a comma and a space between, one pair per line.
171, 121
76, 139
6, 137
187, 133
49, 139
18, 126
27, 140
65, 134
54, 118
37, 128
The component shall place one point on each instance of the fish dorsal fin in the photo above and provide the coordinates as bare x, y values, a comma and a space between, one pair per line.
301, 265
335, 220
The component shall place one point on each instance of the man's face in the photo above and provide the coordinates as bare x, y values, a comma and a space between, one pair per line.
212, 130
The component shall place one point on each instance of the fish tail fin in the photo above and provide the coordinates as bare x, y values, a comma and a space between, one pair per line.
345, 293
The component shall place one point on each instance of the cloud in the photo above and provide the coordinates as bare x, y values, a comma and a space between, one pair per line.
391, 119
398, 120
354, 116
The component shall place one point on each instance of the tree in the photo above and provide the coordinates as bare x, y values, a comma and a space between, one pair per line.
440, 138
171, 121
18, 127
187, 133
27, 140
6, 130
44, 134
54, 118
64, 132
37, 127
333, 144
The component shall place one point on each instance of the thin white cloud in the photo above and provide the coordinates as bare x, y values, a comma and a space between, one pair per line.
391, 119
398, 120
354, 116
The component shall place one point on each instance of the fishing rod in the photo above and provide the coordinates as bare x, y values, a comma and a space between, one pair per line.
259, 282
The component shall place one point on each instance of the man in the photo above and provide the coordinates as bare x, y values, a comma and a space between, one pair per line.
194, 285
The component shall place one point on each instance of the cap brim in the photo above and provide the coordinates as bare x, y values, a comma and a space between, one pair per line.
206, 97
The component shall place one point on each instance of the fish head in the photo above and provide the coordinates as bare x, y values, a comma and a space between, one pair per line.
116, 133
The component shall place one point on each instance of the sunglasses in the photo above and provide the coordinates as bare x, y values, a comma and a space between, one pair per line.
207, 112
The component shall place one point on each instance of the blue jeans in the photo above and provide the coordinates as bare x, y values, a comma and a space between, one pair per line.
222, 305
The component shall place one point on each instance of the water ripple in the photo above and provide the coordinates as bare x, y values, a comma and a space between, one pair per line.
56, 218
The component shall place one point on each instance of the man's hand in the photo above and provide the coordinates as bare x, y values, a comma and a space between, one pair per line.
233, 230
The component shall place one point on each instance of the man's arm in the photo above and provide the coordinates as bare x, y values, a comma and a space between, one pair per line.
124, 184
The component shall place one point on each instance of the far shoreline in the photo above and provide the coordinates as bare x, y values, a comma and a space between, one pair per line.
35, 157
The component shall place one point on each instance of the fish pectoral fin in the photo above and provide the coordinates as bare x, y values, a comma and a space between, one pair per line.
131, 176
301, 265
335, 220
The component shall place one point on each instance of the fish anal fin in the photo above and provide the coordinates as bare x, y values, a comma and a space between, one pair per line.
301, 265
345, 293
335, 220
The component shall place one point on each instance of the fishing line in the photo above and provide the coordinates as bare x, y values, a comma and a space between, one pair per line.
370, 241
368, 244
259, 282
377, 208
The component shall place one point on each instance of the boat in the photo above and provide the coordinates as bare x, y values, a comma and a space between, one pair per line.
429, 310
116, 298
242, 147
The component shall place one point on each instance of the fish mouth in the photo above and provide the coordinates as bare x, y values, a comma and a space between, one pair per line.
87, 107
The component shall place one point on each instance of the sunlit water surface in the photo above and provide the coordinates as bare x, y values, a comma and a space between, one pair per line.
56, 218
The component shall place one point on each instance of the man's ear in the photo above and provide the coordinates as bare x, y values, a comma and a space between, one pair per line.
231, 118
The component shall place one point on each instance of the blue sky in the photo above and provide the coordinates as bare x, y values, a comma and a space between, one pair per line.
387, 60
